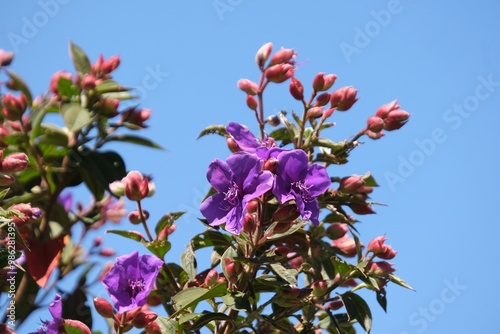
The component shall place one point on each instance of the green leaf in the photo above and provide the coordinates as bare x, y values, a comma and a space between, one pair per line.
126, 138
66, 88
358, 309
399, 281
75, 116
134, 235
295, 227
119, 95
20, 85
289, 275
325, 142
110, 86
167, 325
158, 247
210, 238
80, 59
167, 220
190, 297
188, 263
369, 180
214, 129
237, 301
382, 299
206, 318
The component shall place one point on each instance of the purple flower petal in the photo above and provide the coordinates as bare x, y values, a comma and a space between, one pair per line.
243, 137
55, 307
219, 175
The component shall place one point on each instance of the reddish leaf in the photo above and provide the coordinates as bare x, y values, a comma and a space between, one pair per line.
44, 258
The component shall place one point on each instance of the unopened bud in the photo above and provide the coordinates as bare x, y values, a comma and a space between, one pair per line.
286, 213
271, 164
328, 113
54, 80
263, 54
249, 87
351, 184
211, 278
280, 73
107, 252
343, 98
110, 64
5, 57
232, 145
117, 188
153, 328
252, 102
322, 100
252, 206
5, 180
14, 162
78, 326
379, 248
107, 107
335, 305
283, 56
361, 208
315, 112
346, 245
143, 318
97, 241
380, 268
103, 307
296, 89
336, 231
136, 186
374, 135
319, 81
88, 82
249, 224
329, 80
273, 120
319, 288
375, 124
135, 217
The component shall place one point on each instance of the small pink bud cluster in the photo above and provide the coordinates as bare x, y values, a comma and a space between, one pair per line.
232, 270
134, 118
346, 245
103, 68
28, 213
13, 107
107, 107
54, 81
343, 98
134, 186
12, 163
380, 249
388, 117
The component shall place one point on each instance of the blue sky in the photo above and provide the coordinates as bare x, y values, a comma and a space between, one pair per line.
438, 175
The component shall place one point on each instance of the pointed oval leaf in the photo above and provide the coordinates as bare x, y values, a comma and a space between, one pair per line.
75, 116
214, 129
80, 59
134, 235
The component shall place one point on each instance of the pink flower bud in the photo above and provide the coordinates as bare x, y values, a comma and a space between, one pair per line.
379, 248
96, 67
249, 87
110, 64
283, 56
346, 245
271, 164
384, 110
134, 118
136, 186
107, 107
233, 270
319, 288
107, 252
97, 241
319, 81
135, 218
375, 124
374, 135
315, 112
232, 145
351, 184
54, 80
263, 54
273, 120
252, 102
279, 73
79, 326
15, 104
361, 208
380, 268
343, 98
322, 100
5, 57
5, 180
296, 89
328, 113
336, 231
211, 278
153, 328
335, 305
143, 318
286, 213
88, 82
14, 162
396, 119
103, 307
329, 80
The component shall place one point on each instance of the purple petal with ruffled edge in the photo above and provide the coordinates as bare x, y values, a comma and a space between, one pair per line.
219, 175
243, 137
131, 279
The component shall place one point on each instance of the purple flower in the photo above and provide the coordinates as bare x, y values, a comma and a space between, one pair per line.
66, 201
131, 279
52, 327
247, 142
237, 182
297, 180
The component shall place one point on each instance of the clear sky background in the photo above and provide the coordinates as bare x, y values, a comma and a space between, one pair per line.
438, 175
